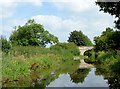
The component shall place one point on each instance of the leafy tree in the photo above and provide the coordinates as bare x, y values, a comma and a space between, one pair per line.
112, 8
32, 34
4, 44
109, 39
79, 39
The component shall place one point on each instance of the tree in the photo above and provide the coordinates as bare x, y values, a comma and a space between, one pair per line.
4, 44
109, 39
112, 8
32, 34
79, 39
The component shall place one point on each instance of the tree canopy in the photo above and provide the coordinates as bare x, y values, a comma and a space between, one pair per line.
112, 8
109, 39
32, 34
79, 39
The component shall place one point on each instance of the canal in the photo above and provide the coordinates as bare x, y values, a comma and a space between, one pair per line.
69, 75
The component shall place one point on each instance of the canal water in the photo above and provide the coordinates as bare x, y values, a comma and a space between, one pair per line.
69, 75
91, 80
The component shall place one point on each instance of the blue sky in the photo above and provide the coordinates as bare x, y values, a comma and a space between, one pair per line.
59, 17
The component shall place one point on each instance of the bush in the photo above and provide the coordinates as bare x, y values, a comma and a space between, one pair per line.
5, 45
71, 48
106, 57
116, 65
91, 56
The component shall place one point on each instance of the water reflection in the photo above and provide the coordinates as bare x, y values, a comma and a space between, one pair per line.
69, 75
44, 81
80, 78
112, 77
79, 75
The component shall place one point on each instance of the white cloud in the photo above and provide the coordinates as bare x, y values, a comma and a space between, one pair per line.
9, 26
62, 28
91, 22
75, 5
7, 7
57, 26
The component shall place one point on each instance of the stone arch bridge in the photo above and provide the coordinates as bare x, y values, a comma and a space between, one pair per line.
85, 48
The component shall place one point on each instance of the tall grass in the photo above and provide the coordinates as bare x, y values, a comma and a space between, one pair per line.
22, 60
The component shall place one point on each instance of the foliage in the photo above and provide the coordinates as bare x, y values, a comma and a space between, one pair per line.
109, 39
112, 8
32, 34
107, 58
21, 58
4, 44
79, 75
79, 39
91, 56
112, 77
69, 47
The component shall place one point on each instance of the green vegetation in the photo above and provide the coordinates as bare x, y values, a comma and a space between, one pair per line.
69, 47
109, 40
112, 77
113, 8
79, 75
79, 39
4, 44
45, 77
32, 34
23, 60
91, 56
106, 53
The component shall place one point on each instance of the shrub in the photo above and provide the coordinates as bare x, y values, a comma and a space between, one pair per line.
91, 56
106, 57
71, 48
5, 45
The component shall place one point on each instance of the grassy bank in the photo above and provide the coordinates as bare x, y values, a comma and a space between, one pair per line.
22, 60
108, 60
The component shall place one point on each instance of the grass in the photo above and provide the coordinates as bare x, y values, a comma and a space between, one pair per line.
22, 61
81, 56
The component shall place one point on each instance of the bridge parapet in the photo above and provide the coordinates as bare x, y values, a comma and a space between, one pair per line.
85, 48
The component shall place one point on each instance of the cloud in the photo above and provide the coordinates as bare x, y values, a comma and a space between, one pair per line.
7, 7
61, 28
75, 5
9, 26
57, 26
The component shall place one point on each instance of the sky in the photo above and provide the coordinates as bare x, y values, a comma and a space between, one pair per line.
59, 17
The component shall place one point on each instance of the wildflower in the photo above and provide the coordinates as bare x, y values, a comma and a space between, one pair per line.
7, 80
37, 66
33, 64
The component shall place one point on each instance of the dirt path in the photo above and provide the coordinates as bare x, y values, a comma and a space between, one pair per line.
85, 65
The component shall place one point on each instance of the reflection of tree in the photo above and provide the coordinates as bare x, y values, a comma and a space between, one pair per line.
114, 82
79, 75
112, 77
43, 82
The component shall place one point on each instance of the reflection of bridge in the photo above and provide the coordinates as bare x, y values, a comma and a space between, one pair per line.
84, 65
85, 48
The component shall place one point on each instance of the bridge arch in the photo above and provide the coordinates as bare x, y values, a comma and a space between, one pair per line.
85, 48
